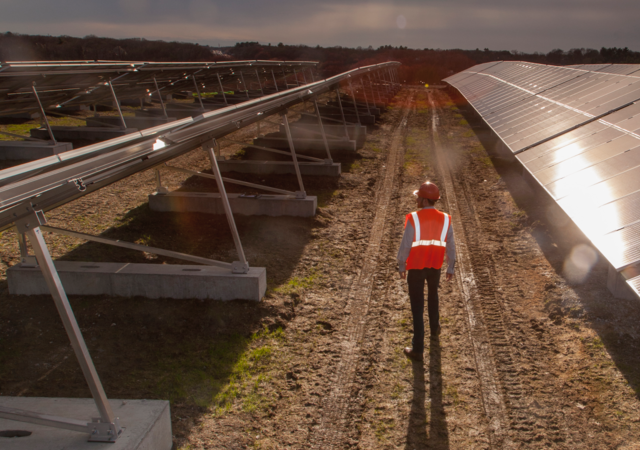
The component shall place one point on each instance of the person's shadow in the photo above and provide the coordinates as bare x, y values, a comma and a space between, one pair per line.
417, 435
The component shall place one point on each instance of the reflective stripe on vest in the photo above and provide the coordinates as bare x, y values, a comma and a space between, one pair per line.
431, 242
418, 242
430, 239
416, 225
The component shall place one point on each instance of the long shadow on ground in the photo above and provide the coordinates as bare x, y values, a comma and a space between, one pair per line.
196, 353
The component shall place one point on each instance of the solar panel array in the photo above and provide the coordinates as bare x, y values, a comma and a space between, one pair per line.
577, 131
85, 82
49, 182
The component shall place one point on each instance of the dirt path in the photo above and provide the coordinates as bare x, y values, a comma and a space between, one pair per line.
527, 359
330, 433
473, 287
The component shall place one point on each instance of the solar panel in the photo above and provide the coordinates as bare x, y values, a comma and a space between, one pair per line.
75, 83
576, 130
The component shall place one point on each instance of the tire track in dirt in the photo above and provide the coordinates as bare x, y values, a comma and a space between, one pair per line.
335, 406
492, 398
510, 404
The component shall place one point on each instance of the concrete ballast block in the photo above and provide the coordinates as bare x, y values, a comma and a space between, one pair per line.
145, 280
280, 167
139, 123
81, 133
31, 150
146, 423
211, 203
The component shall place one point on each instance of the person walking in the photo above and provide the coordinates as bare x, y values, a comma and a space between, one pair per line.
427, 239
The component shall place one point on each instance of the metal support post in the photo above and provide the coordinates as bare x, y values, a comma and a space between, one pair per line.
164, 110
115, 99
313, 79
284, 74
26, 260
344, 121
107, 428
373, 91
259, 82
224, 96
160, 189
353, 98
304, 77
301, 193
246, 88
275, 83
383, 82
44, 116
324, 135
195, 83
387, 84
241, 266
295, 74
364, 92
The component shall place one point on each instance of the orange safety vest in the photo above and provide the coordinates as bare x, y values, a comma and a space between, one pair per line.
430, 238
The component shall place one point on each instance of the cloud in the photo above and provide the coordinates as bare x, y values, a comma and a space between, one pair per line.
496, 24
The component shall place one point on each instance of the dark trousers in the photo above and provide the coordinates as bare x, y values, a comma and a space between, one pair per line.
416, 279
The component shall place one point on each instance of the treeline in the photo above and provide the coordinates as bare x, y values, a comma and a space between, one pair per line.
426, 65
21, 47
418, 66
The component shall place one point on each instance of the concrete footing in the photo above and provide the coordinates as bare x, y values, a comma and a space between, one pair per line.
74, 134
280, 167
618, 285
307, 128
146, 423
176, 113
305, 146
139, 123
145, 280
31, 150
211, 203
349, 109
363, 119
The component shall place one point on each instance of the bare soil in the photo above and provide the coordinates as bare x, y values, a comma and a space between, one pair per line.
531, 355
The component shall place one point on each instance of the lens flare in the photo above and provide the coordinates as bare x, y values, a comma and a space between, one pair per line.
579, 263
401, 21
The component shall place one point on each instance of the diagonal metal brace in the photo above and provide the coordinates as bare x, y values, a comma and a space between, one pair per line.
107, 427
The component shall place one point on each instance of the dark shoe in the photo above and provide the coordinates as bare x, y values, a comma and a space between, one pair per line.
413, 355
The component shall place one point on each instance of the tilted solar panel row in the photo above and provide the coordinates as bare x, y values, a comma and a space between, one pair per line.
577, 131
74, 83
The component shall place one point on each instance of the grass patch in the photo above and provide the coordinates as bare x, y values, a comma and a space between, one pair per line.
325, 197
297, 285
397, 391
520, 214
351, 166
452, 393
463, 123
416, 155
222, 375
383, 427
468, 134
486, 161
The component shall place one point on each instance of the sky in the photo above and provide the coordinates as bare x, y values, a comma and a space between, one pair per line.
522, 25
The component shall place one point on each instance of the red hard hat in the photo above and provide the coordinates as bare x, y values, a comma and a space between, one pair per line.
428, 190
